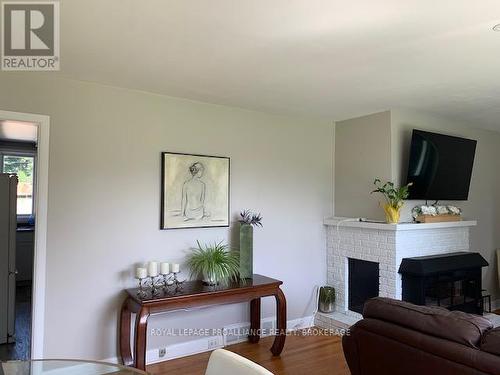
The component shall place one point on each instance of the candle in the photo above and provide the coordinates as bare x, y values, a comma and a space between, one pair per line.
164, 268
175, 267
153, 269
141, 273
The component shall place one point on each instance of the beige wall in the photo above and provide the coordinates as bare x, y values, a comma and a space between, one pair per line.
104, 200
362, 153
484, 196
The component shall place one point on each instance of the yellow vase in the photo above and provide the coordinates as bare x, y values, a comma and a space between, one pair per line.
392, 214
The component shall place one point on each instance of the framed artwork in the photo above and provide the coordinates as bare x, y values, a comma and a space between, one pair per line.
194, 191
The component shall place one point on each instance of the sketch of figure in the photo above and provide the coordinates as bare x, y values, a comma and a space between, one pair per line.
193, 194
195, 191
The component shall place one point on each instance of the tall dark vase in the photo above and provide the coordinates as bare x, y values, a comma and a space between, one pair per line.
246, 251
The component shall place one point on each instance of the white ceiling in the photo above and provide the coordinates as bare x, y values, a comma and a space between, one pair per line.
18, 131
333, 59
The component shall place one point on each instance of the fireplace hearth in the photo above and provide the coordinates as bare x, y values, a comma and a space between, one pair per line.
450, 280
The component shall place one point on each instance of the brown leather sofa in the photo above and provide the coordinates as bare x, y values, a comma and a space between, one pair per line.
396, 337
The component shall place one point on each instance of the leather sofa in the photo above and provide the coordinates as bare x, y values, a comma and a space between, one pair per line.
396, 337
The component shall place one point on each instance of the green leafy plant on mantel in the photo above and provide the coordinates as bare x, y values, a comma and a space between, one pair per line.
214, 262
394, 198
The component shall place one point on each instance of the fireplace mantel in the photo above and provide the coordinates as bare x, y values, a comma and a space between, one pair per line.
355, 223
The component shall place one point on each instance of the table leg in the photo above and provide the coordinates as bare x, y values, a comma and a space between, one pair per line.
124, 335
254, 335
279, 340
141, 325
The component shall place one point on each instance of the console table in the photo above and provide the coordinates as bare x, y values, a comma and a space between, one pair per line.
194, 294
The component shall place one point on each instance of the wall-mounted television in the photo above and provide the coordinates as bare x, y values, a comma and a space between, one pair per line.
440, 166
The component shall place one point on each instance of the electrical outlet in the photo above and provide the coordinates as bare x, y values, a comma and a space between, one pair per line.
162, 352
213, 342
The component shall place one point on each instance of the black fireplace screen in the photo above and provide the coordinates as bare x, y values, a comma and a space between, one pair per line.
455, 291
363, 283
451, 280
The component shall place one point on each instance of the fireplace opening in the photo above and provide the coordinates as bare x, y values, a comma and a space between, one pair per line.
363, 283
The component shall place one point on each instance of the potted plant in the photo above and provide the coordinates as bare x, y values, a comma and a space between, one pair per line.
326, 299
394, 199
215, 263
248, 220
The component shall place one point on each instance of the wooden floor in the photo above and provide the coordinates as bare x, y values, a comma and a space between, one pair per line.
303, 354
21, 348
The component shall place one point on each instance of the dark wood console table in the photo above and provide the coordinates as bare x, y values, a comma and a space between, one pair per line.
195, 294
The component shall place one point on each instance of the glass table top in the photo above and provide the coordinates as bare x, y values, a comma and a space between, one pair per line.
63, 367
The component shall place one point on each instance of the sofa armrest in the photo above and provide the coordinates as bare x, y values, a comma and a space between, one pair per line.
491, 341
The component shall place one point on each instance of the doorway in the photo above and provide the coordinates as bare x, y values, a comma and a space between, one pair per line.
23, 216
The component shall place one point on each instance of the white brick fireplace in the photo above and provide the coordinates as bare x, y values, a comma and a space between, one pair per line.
387, 245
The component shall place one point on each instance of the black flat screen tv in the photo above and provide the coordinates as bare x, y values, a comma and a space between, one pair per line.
440, 166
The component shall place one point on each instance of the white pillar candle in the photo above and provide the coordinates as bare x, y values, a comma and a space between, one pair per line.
164, 268
141, 273
175, 267
153, 269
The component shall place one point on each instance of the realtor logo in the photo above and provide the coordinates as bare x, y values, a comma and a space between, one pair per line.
30, 35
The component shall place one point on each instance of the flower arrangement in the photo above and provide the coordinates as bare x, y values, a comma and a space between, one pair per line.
394, 198
435, 211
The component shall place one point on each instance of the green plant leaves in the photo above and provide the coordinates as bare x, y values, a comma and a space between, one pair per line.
215, 262
394, 196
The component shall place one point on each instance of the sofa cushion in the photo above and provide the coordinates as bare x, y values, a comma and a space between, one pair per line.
456, 326
491, 341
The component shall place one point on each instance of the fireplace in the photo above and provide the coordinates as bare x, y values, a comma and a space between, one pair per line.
363, 283
452, 281
383, 247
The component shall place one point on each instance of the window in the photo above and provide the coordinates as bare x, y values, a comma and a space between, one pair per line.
23, 165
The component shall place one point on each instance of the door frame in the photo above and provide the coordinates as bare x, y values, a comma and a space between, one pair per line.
40, 251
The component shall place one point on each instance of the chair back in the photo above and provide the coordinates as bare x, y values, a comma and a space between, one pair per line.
224, 362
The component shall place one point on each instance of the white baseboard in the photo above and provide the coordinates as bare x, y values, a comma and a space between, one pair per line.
209, 343
267, 326
184, 349
300, 323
